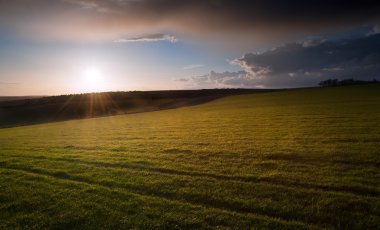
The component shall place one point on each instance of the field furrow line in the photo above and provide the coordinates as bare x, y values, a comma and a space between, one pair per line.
144, 191
245, 179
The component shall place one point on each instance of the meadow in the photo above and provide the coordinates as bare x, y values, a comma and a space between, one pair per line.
295, 159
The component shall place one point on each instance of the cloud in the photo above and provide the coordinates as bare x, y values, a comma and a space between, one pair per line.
221, 19
182, 79
376, 30
312, 42
149, 38
91, 5
194, 66
214, 79
294, 65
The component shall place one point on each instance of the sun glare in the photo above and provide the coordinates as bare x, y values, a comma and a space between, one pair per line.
93, 79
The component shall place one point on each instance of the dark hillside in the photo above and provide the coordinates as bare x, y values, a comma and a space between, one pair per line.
17, 98
66, 107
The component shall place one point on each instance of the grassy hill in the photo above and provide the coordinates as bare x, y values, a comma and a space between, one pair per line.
297, 159
26, 111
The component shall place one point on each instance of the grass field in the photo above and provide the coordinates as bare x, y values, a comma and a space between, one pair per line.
297, 159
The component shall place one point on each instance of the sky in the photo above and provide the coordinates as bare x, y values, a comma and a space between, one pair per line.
53, 47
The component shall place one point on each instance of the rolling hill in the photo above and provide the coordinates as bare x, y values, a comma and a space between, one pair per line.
25, 111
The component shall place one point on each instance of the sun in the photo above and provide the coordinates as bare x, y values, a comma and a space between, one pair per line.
93, 79
92, 74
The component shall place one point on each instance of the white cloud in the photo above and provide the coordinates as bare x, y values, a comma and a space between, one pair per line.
150, 38
239, 79
88, 5
194, 66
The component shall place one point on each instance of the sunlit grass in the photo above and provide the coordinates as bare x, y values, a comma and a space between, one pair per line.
296, 159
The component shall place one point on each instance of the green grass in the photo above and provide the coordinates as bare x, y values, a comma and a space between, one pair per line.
307, 158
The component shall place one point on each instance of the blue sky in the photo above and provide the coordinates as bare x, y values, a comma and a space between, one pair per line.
34, 67
50, 47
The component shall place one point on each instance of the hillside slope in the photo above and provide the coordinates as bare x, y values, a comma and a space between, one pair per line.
298, 159
78, 106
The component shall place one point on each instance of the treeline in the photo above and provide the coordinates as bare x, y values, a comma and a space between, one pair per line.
336, 82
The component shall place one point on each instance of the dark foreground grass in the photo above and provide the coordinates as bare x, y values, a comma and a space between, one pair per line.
287, 160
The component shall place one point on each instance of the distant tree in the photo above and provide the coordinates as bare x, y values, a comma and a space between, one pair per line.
350, 81
329, 82
347, 82
322, 83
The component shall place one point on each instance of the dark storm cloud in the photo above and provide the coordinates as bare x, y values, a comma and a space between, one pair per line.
233, 19
297, 64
